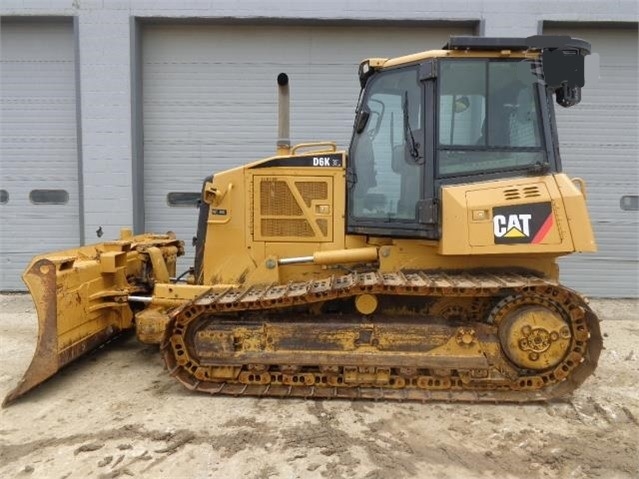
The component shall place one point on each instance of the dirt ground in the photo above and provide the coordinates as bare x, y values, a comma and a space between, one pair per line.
116, 413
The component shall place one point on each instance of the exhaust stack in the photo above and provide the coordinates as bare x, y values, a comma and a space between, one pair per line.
283, 118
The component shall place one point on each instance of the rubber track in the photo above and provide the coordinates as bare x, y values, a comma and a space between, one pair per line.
419, 283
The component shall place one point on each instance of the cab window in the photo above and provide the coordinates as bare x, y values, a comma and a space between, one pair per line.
488, 117
386, 155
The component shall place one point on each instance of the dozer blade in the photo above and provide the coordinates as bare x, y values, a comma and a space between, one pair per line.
81, 299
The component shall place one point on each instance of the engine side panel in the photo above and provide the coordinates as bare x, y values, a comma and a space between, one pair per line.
514, 216
277, 208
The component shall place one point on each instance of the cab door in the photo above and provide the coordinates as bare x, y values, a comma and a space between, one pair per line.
389, 176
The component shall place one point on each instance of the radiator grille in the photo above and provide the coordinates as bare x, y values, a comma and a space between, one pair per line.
312, 190
293, 209
323, 226
276, 199
286, 227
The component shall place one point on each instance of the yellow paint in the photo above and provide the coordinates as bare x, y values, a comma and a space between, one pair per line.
463, 234
366, 303
535, 337
353, 255
241, 253
514, 233
261, 214
378, 63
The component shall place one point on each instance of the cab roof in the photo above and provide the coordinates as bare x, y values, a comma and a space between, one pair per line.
489, 47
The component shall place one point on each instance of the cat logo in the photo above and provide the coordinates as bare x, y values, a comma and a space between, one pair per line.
528, 223
513, 226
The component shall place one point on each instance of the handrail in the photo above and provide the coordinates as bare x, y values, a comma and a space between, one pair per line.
581, 184
330, 144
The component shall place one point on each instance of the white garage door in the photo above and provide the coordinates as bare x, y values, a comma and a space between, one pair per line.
38, 150
599, 142
210, 98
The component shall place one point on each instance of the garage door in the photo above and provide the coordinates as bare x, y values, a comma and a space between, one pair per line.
38, 152
599, 142
210, 98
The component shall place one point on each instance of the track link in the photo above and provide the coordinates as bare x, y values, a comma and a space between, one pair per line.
203, 357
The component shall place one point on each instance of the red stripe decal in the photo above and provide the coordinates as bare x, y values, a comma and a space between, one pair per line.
543, 231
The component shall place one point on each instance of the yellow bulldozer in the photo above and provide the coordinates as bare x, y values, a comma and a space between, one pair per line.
421, 264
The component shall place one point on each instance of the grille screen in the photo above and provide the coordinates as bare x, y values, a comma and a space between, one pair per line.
277, 199
293, 209
323, 226
286, 227
312, 190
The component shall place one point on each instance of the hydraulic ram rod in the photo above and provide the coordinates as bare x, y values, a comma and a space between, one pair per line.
355, 255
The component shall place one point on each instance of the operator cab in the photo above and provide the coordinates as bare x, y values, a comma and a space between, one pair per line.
479, 109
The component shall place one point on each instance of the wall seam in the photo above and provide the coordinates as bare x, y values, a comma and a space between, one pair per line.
137, 128
78, 127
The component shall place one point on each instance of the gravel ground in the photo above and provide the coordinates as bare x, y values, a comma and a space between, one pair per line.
116, 413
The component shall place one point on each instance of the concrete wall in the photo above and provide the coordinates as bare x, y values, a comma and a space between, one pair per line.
105, 32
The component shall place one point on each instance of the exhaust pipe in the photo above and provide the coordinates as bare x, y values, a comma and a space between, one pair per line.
283, 118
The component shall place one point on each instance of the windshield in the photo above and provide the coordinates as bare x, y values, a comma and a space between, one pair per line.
386, 156
488, 117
